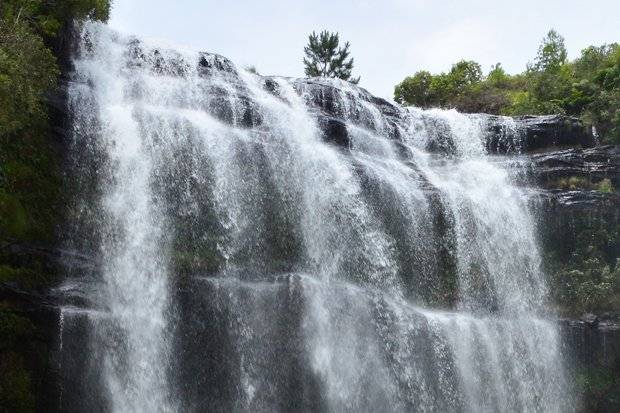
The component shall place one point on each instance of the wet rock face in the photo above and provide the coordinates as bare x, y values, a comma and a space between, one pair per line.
554, 131
234, 105
209, 62
594, 341
593, 346
593, 164
358, 106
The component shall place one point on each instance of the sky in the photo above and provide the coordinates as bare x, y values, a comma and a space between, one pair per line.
390, 39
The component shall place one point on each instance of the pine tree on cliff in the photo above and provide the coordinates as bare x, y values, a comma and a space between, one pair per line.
325, 58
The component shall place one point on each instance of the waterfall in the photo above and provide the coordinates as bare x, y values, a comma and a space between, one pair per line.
276, 244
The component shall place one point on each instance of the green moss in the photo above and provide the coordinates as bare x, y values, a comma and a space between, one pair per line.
32, 278
30, 189
572, 183
16, 393
13, 329
13, 216
605, 186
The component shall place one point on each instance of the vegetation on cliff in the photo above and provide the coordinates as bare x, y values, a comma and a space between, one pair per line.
30, 183
587, 87
29, 177
582, 260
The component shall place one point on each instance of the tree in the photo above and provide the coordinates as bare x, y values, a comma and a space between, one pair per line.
325, 58
548, 79
463, 75
415, 90
601, 91
444, 90
46, 17
498, 77
551, 53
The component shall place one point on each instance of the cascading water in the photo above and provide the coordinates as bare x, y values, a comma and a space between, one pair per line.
271, 244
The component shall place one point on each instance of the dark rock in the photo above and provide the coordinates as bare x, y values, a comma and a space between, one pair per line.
537, 133
36, 348
592, 344
238, 110
592, 164
592, 354
208, 63
570, 221
355, 105
206, 364
554, 131
581, 201
610, 316
334, 131
272, 86
590, 319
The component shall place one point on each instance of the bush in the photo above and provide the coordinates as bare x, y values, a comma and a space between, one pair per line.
605, 186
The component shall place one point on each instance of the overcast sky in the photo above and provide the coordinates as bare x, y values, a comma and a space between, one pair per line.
390, 39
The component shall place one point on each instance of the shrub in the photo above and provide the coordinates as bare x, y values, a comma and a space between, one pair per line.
605, 186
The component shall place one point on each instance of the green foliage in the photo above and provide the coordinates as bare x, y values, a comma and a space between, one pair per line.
600, 90
30, 184
46, 17
27, 67
29, 177
30, 187
13, 329
593, 286
325, 58
27, 71
573, 183
462, 88
415, 90
498, 77
586, 278
588, 87
551, 53
605, 186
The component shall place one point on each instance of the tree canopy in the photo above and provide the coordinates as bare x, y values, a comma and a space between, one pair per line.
27, 66
325, 57
588, 87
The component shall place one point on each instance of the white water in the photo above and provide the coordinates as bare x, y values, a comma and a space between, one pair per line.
135, 270
353, 231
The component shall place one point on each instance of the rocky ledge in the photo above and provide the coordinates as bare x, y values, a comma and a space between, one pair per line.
590, 165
